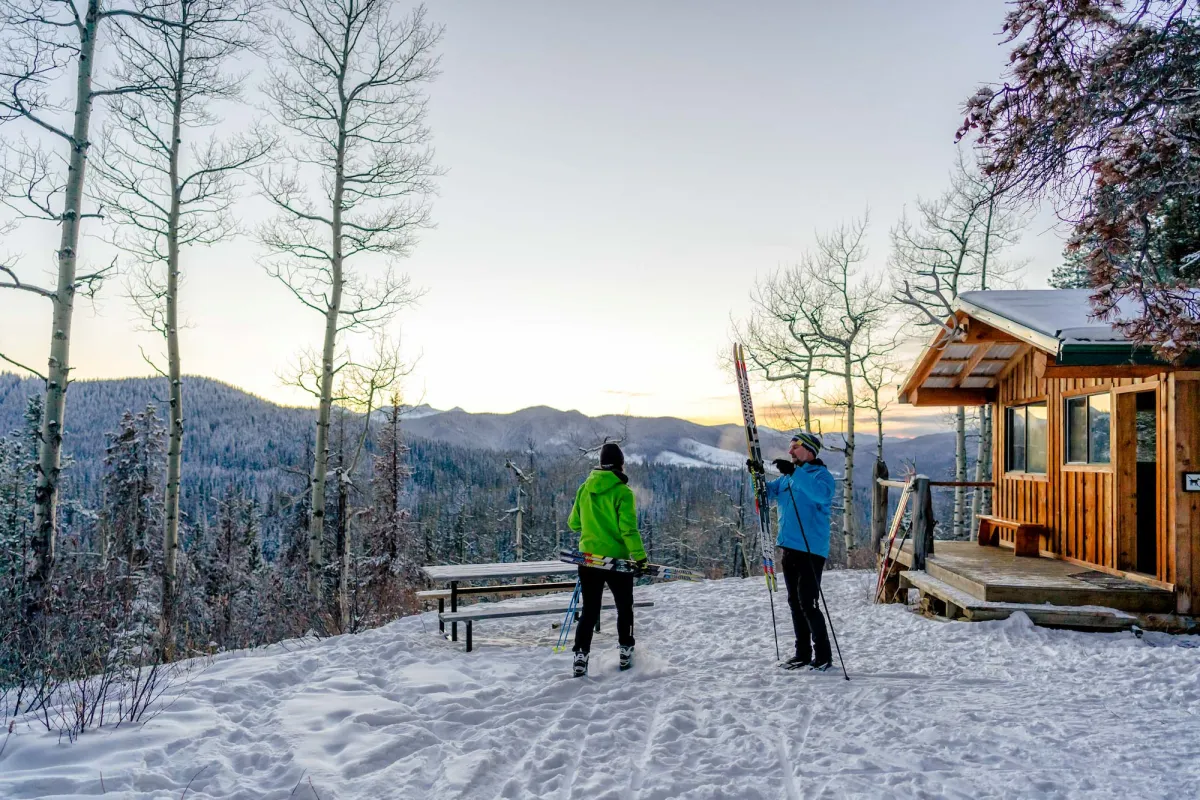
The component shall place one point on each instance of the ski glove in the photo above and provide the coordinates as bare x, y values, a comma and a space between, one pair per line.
784, 466
641, 565
754, 466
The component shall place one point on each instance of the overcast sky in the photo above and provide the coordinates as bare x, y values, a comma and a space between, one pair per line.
617, 177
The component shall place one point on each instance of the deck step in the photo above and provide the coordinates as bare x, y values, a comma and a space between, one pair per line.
962, 582
960, 603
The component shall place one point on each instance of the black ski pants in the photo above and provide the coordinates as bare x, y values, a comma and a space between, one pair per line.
591, 593
802, 574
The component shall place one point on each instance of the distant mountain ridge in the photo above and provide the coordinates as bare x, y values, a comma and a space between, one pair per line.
659, 439
224, 419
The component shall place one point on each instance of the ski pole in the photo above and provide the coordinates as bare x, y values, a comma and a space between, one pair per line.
565, 628
820, 591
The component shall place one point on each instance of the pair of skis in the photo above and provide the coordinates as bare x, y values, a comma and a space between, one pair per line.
657, 571
758, 475
885, 566
758, 478
660, 572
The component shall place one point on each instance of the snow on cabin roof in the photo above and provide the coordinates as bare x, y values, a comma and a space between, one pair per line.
1052, 316
1060, 322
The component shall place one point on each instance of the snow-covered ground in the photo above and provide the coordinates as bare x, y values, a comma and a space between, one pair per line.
933, 710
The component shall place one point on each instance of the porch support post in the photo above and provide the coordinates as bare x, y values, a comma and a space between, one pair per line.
922, 521
879, 506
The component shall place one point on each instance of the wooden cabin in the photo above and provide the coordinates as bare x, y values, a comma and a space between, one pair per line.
1096, 445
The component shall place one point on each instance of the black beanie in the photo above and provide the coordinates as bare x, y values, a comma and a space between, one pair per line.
611, 456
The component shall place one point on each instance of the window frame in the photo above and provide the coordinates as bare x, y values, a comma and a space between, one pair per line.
1009, 411
1086, 398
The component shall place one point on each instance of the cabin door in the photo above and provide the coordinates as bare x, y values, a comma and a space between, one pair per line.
1137, 482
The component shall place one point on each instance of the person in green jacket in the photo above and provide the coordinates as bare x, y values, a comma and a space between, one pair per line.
605, 516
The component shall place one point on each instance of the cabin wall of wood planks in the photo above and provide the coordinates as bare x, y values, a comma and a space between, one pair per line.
1183, 519
1079, 505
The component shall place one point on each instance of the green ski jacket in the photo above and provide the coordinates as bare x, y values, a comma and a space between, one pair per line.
605, 514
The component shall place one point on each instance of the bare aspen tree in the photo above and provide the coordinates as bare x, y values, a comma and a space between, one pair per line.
877, 371
364, 386
948, 249
49, 84
169, 184
853, 305
359, 388
779, 341
815, 320
348, 85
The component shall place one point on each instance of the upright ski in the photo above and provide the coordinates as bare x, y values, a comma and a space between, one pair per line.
758, 477
657, 571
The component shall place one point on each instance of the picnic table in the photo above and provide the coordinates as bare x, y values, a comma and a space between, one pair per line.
454, 574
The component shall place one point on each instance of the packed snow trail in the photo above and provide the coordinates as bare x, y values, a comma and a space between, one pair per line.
933, 709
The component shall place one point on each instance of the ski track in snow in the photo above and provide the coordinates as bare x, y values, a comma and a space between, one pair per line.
958, 710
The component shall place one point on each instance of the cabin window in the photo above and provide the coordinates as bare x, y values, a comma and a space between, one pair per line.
1025, 441
1089, 426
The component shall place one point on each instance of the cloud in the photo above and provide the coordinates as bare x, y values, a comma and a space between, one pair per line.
898, 419
627, 394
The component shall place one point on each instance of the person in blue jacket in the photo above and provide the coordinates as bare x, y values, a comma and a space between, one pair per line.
803, 494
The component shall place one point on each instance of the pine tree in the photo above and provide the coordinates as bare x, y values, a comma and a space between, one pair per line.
230, 567
133, 508
1097, 109
18, 459
390, 535
133, 520
1071, 273
388, 561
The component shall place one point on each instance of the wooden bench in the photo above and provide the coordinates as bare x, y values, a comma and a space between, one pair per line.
1026, 536
441, 595
479, 612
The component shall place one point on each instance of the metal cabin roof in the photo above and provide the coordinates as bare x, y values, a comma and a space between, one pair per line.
1046, 318
1058, 322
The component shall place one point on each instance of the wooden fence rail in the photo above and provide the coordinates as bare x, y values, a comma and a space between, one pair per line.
922, 509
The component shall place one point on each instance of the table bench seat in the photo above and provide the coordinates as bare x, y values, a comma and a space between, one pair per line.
441, 595
479, 612
1026, 536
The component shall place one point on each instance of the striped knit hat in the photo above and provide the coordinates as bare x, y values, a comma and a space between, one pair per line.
809, 441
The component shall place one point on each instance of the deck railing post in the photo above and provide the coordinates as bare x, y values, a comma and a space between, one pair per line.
922, 521
879, 506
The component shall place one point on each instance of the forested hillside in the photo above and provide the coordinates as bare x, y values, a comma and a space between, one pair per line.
460, 489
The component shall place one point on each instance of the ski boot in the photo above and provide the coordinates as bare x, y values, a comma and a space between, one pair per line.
824, 666
626, 657
797, 662
579, 668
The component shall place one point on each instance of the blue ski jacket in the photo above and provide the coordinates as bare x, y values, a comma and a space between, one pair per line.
813, 488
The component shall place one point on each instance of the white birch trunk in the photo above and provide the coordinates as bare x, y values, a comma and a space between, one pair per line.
806, 388
344, 551
878, 428
316, 527
848, 485
980, 498
960, 472
174, 365
58, 375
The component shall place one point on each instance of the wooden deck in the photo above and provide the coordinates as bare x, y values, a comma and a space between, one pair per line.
995, 575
